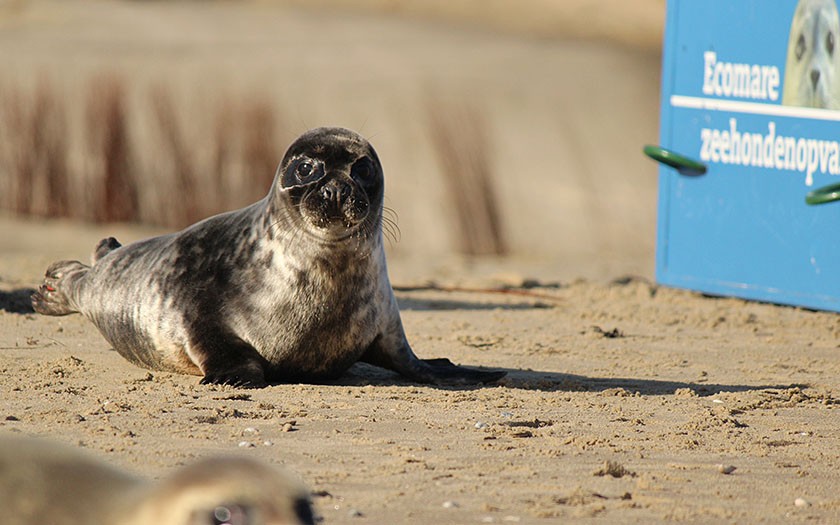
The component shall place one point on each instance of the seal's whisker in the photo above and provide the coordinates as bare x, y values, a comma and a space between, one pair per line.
391, 230
390, 213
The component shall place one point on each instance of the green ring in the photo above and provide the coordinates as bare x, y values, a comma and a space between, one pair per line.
824, 195
681, 163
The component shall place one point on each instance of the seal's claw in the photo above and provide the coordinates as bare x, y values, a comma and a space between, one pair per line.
234, 380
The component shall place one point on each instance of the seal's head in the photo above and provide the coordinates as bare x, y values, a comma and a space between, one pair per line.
332, 182
232, 491
812, 70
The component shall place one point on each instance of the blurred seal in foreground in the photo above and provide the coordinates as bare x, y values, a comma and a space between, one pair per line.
51, 484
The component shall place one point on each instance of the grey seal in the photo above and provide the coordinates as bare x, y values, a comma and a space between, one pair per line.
45, 482
292, 288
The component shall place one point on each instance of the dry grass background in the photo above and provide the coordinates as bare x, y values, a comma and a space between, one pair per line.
202, 171
636, 23
459, 136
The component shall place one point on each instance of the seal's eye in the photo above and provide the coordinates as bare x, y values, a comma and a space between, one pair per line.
307, 171
229, 515
304, 170
362, 170
829, 42
800, 47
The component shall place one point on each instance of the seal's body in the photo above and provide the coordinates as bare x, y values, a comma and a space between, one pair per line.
292, 288
812, 69
44, 482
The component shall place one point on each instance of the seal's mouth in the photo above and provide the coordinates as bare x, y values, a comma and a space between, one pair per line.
335, 209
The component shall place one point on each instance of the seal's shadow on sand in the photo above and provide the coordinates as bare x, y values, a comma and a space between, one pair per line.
517, 303
17, 301
364, 374
548, 381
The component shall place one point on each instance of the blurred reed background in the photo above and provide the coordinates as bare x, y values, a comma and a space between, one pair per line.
504, 129
198, 171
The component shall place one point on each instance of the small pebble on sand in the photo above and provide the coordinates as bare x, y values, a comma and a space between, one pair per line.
481, 424
801, 502
726, 469
450, 505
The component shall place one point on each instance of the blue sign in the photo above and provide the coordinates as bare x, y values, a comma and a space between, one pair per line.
752, 89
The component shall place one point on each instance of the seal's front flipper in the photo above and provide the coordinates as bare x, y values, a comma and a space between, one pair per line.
451, 373
55, 296
442, 371
229, 361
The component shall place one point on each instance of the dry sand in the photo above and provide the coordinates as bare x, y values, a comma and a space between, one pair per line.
622, 398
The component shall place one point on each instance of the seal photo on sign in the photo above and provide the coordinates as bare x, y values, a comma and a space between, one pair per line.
812, 69
48, 483
292, 288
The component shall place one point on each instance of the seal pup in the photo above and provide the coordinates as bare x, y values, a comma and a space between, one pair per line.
813, 62
292, 288
48, 483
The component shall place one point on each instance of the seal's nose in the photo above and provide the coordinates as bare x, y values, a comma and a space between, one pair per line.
335, 192
815, 77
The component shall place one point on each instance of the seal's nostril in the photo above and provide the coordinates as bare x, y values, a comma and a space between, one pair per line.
815, 77
335, 191
327, 192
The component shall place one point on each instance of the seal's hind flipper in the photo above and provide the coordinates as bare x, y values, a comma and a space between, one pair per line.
104, 247
54, 297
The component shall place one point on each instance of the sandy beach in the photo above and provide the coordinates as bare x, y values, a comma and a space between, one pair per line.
624, 402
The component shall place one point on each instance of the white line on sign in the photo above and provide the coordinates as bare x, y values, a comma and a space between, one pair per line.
737, 106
